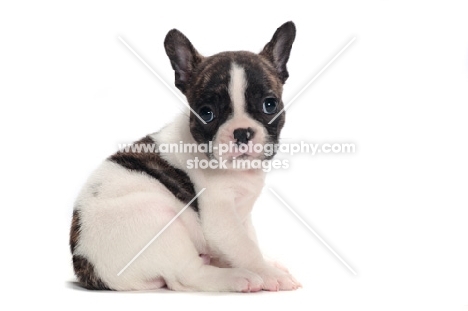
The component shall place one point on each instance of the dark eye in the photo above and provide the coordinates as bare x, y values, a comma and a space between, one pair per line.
270, 105
206, 114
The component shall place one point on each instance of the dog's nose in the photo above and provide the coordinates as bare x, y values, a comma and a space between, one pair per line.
243, 135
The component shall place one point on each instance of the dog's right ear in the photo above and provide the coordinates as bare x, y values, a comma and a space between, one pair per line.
184, 58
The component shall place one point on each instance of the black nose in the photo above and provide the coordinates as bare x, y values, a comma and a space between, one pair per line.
242, 136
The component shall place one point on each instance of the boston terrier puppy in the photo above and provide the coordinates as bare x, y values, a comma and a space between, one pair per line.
135, 196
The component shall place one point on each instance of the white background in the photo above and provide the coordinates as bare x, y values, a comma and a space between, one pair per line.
396, 210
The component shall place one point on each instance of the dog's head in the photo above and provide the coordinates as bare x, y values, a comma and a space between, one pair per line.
235, 94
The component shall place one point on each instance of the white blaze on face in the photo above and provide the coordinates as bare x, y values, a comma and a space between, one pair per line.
237, 87
239, 119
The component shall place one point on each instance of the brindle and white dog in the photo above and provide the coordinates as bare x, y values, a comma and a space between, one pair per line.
212, 245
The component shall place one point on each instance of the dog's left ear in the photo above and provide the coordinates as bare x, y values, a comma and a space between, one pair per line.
278, 49
183, 56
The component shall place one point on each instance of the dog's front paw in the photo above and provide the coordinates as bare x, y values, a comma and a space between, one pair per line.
275, 279
246, 281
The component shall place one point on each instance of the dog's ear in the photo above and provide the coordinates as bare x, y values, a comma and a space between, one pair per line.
278, 49
184, 58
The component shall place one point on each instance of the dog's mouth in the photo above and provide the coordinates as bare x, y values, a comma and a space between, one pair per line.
243, 157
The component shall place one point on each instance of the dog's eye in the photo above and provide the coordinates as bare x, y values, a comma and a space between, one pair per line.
270, 105
206, 114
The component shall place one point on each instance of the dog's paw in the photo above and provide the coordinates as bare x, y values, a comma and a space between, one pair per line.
246, 281
275, 279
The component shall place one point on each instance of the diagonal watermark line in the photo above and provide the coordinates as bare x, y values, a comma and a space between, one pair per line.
313, 79
313, 231
160, 232
159, 77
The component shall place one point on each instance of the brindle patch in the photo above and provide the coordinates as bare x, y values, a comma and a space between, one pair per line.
86, 275
75, 230
209, 87
84, 270
151, 163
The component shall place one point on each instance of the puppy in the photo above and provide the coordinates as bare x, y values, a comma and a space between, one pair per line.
133, 195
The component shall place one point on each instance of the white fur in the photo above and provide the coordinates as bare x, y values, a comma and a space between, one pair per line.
237, 86
132, 208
